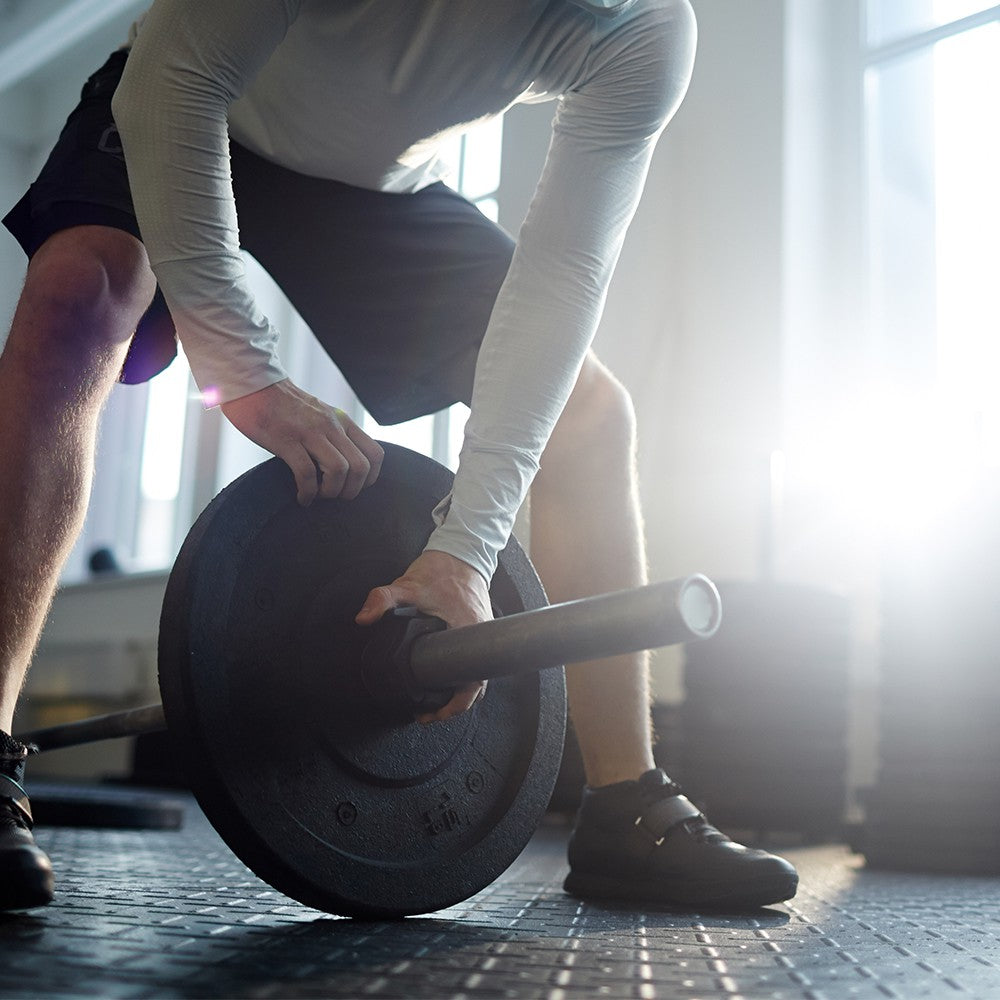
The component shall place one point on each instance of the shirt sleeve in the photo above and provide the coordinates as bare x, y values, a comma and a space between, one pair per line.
548, 308
190, 60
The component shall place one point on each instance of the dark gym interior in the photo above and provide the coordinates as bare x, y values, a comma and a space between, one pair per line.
805, 315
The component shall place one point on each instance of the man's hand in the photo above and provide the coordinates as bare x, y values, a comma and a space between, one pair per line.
329, 455
441, 585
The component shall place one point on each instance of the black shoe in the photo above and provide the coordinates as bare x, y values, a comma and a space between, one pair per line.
25, 870
644, 842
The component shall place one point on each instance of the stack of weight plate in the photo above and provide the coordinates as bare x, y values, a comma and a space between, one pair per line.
936, 803
766, 713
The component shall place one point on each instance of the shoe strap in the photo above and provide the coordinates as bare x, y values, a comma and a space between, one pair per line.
659, 818
10, 789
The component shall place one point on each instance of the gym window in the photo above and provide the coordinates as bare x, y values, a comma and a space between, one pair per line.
931, 75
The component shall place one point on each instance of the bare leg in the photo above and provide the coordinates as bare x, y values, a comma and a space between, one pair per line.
587, 538
86, 290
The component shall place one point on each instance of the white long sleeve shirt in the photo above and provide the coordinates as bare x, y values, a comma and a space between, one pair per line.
366, 92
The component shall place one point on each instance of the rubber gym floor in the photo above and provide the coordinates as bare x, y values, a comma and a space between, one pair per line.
174, 914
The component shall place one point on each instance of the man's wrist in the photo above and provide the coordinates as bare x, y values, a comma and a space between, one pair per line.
455, 564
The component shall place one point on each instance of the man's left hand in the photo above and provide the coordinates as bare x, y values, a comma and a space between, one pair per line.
437, 584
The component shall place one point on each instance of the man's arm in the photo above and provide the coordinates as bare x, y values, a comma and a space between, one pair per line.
191, 59
547, 313
188, 63
549, 306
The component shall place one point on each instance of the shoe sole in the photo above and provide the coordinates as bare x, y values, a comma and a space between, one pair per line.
720, 895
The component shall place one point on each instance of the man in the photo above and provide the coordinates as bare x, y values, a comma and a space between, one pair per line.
305, 131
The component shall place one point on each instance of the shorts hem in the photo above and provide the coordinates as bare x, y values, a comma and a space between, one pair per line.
31, 227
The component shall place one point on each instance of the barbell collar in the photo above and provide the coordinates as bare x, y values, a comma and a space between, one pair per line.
593, 628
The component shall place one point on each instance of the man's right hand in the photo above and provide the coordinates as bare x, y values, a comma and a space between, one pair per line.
329, 455
438, 584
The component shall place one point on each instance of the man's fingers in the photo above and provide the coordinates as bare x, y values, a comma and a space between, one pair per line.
377, 603
358, 468
343, 467
383, 599
371, 449
462, 700
349, 458
441, 585
304, 470
329, 455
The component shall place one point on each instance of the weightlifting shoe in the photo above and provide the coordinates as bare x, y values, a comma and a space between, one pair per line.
25, 870
644, 842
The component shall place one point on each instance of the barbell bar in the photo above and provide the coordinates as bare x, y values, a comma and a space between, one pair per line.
114, 725
590, 628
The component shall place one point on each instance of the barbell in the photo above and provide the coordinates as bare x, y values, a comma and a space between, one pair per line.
296, 726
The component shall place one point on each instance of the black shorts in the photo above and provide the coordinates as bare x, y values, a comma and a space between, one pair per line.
398, 288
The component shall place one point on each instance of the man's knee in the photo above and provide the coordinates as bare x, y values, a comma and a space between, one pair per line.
87, 288
612, 404
600, 408
599, 419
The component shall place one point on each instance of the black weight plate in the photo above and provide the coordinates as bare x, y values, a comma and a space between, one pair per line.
979, 836
935, 744
790, 763
101, 807
344, 810
897, 854
732, 728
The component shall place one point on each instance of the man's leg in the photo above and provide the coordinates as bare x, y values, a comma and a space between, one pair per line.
85, 292
637, 837
587, 538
